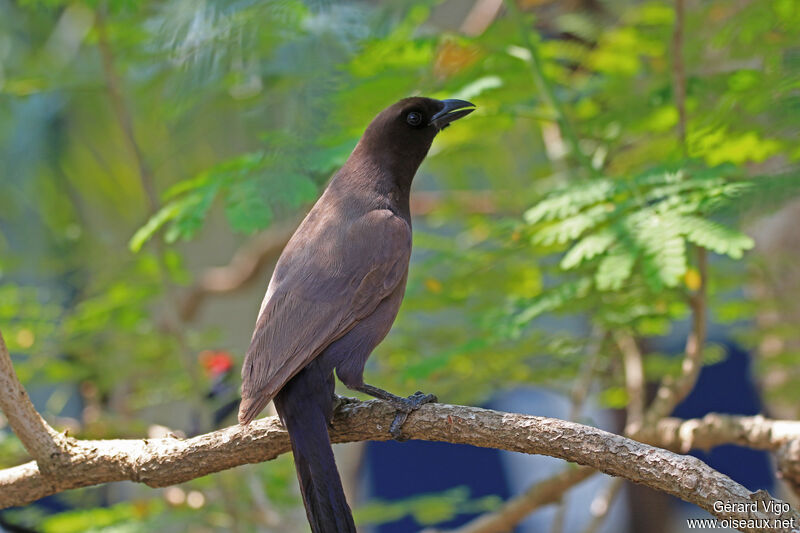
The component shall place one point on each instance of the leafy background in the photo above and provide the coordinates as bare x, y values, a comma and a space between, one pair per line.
143, 142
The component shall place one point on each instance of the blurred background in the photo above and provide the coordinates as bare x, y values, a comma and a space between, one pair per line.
155, 157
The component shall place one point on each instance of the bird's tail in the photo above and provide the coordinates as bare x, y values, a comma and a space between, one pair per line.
304, 405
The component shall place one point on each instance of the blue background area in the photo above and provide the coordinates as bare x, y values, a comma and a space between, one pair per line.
403, 469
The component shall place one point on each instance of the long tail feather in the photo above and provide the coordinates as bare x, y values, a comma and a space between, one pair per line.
304, 407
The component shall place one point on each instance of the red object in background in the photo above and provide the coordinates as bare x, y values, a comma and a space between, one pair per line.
223, 393
216, 362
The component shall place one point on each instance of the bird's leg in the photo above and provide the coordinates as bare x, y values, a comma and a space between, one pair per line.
404, 406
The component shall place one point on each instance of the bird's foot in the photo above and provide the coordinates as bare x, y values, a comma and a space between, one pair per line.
405, 406
341, 401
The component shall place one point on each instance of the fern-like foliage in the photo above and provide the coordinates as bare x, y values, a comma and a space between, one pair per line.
254, 189
621, 236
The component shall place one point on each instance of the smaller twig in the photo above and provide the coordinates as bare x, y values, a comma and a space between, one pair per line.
114, 89
582, 385
557, 525
482, 14
788, 462
602, 503
547, 92
45, 445
268, 516
578, 395
517, 509
551, 490
679, 74
673, 391
243, 268
634, 381
123, 116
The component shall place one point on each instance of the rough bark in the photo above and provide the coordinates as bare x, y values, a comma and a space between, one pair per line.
43, 443
162, 462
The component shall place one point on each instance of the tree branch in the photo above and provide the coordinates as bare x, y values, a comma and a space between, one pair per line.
788, 459
634, 381
551, 490
162, 462
548, 491
243, 268
672, 392
43, 443
602, 503
547, 92
114, 87
715, 429
679, 73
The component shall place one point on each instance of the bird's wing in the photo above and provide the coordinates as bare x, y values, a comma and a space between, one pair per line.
320, 292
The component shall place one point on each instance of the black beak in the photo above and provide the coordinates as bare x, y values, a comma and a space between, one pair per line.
452, 110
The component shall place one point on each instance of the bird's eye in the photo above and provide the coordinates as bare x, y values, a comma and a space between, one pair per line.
414, 118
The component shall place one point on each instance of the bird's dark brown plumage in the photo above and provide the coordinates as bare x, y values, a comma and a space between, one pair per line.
335, 293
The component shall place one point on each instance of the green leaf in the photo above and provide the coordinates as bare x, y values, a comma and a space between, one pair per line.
614, 397
570, 201
587, 248
246, 210
296, 190
573, 227
554, 298
615, 268
664, 250
426, 509
156, 222
714, 236
191, 214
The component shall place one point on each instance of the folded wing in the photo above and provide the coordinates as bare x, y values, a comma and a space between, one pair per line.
319, 292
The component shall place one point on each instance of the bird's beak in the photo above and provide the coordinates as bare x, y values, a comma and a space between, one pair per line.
452, 110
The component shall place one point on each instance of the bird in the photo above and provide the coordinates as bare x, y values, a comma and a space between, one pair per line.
334, 295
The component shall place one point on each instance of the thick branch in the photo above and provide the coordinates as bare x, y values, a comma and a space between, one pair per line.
161, 462
41, 441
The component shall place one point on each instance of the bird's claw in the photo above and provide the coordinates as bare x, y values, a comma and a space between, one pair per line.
419, 398
341, 401
408, 405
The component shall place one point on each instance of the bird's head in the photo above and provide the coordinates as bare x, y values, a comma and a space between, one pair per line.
401, 135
